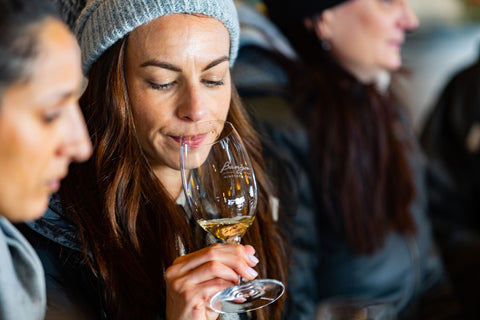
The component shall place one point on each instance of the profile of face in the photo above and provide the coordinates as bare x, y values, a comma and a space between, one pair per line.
42, 129
177, 73
366, 36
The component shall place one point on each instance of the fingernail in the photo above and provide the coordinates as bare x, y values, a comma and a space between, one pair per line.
252, 272
253, 258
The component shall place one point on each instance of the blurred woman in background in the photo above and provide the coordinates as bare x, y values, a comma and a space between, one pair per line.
365, 168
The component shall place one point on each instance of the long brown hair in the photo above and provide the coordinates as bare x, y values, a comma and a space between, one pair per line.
359, 144
130, 227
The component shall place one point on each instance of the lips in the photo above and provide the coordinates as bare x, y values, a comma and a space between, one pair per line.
54, 185
396, 43
193, 140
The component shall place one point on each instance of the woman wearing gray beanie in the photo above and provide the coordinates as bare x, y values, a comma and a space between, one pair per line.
355, 141
114, 242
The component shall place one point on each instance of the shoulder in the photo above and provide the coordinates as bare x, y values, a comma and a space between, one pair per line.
55, 227
72, 288
256, 70
14, 248
21, 273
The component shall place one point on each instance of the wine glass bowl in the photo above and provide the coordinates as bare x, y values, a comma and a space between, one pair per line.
221, 192
218, 179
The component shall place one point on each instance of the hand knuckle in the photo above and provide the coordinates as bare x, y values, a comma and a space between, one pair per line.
213, 267
211, 254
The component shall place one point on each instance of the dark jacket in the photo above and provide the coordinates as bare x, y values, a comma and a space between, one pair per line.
72, 289
451, 140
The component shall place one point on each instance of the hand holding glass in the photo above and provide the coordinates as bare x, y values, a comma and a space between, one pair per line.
221, 192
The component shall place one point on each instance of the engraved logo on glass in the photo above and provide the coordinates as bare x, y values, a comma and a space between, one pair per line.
234, 171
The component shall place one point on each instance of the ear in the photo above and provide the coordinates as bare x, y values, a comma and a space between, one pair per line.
321, 24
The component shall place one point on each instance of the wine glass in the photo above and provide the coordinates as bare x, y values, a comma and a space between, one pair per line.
221, 192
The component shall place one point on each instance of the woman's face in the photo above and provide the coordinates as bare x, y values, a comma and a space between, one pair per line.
366, 36
41, 126
177, 71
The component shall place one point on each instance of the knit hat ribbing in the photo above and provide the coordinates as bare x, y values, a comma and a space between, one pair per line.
101, 23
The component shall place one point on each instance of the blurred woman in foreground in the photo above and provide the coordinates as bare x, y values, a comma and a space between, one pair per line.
41, 132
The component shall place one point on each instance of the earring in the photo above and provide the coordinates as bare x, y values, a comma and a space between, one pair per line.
326, 45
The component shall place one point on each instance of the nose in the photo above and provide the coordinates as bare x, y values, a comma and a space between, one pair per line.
192, 106
409, 18
76, 145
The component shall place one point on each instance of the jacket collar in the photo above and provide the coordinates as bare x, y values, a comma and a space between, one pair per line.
56, 227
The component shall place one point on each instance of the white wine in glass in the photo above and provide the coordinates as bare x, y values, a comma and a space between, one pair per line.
227, 228
221, 192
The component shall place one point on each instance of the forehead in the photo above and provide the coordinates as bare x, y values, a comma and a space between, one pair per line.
180, 36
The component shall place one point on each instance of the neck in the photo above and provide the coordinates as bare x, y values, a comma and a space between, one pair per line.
171, 180
379, 78
363, 75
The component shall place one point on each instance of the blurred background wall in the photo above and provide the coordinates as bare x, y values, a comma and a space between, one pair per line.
447, 40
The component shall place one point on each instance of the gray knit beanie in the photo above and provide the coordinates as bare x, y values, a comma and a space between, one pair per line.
101, 23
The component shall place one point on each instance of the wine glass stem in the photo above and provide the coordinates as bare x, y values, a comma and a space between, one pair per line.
236, 239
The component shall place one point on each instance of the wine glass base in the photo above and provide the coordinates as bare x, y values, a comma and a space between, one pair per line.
247, 296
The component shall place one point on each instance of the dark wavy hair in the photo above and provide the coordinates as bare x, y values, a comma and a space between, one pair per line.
358, 144
19, 20
125, 216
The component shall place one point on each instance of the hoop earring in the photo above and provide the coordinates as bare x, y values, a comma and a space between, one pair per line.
326, 45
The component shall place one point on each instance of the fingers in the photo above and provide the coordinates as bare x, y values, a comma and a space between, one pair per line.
192, 303
204, 273
240, 259
194, 278
250, 251
201, 293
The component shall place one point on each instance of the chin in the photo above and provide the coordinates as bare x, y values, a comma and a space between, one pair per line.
25, 208
393, 64
36, 209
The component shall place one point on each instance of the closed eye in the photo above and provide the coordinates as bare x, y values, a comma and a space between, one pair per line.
51, 116
163, 86
212, 83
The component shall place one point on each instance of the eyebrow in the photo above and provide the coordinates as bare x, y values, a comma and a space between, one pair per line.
67, 93
62, 96
160, 64
216, 62
169, 66
59, 97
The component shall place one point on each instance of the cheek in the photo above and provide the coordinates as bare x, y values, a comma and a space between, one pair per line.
222, 103
19, 147
148, 106
146, 119
22, 165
